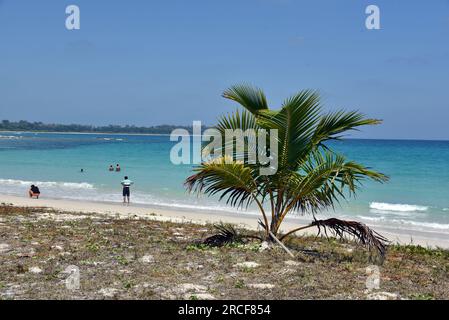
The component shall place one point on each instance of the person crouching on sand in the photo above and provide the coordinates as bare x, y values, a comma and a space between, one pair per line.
34, 191
126, 189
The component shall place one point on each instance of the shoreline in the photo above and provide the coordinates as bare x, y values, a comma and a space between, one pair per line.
396, 236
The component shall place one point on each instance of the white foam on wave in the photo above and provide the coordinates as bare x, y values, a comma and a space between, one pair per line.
10, 137
70, 185
396, 207
407, 223
111, 139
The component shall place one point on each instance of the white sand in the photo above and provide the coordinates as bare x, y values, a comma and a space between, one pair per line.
247, 221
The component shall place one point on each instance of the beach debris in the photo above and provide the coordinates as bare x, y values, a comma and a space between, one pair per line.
264, 246
340, 228
190, 287
382, 295
4, 247
125, 271
226, 234
292, 263
246, 264
12, 291
108, 292
200, 296
56, 247
178, 234
26, 253
35, 270
148, 258
191, 291
20, 268
261, 285
130, 256
61, 217
194, 266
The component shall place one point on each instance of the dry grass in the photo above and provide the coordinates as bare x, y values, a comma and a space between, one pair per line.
108, 252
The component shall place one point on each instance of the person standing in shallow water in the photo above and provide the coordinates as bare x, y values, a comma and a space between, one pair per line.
117, 168
126, 183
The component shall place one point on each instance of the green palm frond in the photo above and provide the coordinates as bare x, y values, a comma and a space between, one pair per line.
301, 117
243, 120
231, 180
324, 179
296, 123
333, 124
252, 99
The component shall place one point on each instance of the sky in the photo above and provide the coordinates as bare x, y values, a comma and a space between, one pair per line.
167, 62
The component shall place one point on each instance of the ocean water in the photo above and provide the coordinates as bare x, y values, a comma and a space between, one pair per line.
416, 197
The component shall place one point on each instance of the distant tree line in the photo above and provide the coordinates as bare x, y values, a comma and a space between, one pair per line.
6, 125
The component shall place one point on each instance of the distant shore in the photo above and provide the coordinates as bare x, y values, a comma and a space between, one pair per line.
90, 133
26, 126
247, 221
168, 134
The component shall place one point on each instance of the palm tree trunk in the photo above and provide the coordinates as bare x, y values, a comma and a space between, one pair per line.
294, 230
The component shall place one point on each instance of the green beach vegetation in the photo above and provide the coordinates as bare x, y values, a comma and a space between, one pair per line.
129, 258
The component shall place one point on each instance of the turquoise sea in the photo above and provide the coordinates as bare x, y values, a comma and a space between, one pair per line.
416, 197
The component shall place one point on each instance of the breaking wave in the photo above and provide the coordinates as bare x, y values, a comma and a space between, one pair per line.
70, 185
407, 223
381, 206
10, 137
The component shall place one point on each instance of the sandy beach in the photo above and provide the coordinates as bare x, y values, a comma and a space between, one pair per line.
397, 236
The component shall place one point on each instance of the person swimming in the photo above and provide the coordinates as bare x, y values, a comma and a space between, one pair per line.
34, 191
117, 168
111, 168
126, 183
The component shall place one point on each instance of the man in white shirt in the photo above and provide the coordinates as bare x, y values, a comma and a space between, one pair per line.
126, 189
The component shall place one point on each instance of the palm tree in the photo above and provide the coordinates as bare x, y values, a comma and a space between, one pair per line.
310, 176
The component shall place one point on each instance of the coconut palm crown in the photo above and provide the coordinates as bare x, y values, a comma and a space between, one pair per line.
310, 176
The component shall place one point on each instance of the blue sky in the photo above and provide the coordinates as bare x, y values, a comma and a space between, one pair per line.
167, 62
